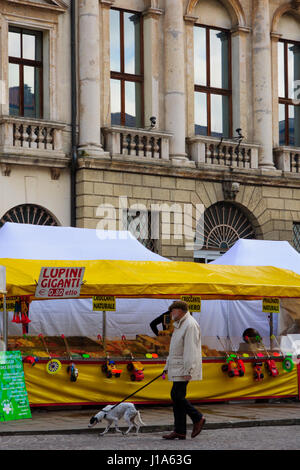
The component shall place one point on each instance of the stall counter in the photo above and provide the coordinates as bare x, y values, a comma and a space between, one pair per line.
92, 385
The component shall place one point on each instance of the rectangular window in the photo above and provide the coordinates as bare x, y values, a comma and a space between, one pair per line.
212, 71
144, 226
288, 92
25, 72
126, 65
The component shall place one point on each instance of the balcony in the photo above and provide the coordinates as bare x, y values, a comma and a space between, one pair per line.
229, 153
139, 145
28, 141
287, 159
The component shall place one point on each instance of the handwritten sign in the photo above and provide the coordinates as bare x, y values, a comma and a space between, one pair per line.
10, 304
104, 303
271, 305
194, 302
59, 283
14, 402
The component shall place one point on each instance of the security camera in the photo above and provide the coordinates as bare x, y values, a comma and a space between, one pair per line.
153, 121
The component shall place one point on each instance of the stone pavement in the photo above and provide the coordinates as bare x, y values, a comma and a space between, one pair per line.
159, 418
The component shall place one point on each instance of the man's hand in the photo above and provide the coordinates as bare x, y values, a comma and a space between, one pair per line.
187, 378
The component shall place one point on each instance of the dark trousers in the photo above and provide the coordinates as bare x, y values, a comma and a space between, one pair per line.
182, 407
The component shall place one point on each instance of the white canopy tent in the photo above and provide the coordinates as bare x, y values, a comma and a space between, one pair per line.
239, 315
75, 317
25, 241
244, 252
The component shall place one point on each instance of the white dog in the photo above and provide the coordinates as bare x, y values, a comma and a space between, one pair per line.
126, 410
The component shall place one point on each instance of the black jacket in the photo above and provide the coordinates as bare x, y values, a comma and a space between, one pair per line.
163, 319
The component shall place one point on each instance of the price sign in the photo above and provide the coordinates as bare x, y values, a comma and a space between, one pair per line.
10, 304
14, 402
271, 305
104, 303
194, 302
60, 283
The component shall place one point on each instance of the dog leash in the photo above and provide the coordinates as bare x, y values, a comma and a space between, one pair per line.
129, 396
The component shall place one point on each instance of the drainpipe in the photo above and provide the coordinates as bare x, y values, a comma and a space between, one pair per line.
73, 113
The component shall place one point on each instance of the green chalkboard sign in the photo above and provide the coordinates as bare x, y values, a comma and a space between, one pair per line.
14, 402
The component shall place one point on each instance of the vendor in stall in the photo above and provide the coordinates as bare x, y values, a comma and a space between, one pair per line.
251, 338
165, 320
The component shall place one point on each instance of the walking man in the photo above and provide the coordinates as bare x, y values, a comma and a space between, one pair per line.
184, 363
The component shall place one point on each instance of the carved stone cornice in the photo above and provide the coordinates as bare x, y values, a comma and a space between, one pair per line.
190, 19
58, 6
152, 13
107, 3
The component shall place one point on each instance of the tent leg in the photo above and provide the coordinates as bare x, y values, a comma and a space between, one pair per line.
104, 329
271, 330
5, 323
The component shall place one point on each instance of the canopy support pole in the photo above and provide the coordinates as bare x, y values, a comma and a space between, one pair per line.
271, 329
5, 323
104, 329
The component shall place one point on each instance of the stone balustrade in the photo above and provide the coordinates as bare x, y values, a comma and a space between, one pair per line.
24, 140
140, 144
287, 159
212, 151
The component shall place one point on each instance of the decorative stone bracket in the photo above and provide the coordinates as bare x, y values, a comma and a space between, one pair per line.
5, 169
230, 189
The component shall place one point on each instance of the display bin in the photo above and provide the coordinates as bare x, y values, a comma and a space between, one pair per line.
90, 356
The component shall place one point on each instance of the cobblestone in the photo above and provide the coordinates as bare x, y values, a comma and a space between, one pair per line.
262, 438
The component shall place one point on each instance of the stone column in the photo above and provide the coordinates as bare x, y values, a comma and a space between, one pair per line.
240, 81
89, 79
151, 71
175, 111
262, 82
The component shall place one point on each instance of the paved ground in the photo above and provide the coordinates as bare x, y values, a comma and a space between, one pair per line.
159, 418
232, 426
262, 438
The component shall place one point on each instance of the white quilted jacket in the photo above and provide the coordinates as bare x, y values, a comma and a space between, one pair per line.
185, 354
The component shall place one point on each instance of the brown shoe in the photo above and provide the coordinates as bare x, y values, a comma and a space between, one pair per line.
198, 427
174, 435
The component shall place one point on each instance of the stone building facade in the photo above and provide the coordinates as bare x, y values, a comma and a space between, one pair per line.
35, 107
187, 121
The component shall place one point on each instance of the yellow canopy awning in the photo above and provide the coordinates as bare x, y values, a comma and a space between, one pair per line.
152, 279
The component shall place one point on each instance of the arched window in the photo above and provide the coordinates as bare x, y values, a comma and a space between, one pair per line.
29, 214
224, 223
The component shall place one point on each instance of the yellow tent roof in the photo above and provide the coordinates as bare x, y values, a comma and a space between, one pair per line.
152, 279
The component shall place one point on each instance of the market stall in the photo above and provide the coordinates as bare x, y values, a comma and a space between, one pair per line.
77, 318
260, 253
156, 280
